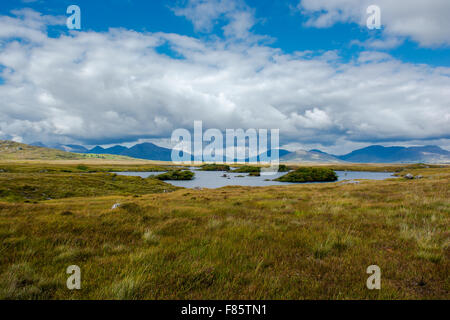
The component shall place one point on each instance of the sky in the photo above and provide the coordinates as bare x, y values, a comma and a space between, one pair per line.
137, 70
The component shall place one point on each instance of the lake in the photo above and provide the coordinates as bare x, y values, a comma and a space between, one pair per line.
214, 179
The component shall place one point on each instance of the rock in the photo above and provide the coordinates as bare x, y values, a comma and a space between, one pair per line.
409, 176
197, 188
115, 206
418, 177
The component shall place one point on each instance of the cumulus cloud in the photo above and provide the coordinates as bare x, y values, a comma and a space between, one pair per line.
114, 86
425, 22
28, 25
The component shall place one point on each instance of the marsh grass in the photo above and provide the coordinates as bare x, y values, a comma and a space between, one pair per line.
18, 187
278, 242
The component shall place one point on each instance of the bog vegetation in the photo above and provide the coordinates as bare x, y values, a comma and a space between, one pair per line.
312, 241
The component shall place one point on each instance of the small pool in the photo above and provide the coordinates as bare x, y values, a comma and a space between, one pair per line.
216, 179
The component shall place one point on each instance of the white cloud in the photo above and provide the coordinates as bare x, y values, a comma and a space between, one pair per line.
379, 44
204, 14
426, 22
114, 86
31, 26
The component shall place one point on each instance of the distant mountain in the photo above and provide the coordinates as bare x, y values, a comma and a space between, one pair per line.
97, 150
260, 157
147, 151
117, 150
371, 154
380, 154
309, 156
150, 151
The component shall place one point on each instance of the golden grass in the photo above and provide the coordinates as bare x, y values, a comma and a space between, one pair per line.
311, 241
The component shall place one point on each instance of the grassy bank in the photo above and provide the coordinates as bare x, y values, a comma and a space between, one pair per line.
286, 242
19, 187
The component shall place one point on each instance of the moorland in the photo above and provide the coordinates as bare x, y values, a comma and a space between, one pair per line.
302, 241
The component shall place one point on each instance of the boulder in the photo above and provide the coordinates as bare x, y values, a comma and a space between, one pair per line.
409, 176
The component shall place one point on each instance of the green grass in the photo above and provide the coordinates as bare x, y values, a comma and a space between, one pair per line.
8, 167
310, 241
18, 187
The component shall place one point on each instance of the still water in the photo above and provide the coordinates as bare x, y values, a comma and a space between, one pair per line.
215, 179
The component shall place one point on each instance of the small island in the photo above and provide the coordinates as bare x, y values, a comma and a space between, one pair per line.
309, 175
215, 167
247, 169
176, 175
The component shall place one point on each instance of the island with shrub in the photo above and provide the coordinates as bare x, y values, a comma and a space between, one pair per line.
309, 175
176, 175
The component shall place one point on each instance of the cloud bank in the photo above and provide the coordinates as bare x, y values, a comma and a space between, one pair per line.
117, 86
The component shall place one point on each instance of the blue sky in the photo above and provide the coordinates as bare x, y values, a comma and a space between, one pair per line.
280, 20
293, 44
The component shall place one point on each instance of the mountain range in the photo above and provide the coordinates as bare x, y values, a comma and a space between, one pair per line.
370, 154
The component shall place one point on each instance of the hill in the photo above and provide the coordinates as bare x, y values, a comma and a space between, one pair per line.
10, 150
309, 156
380, 154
